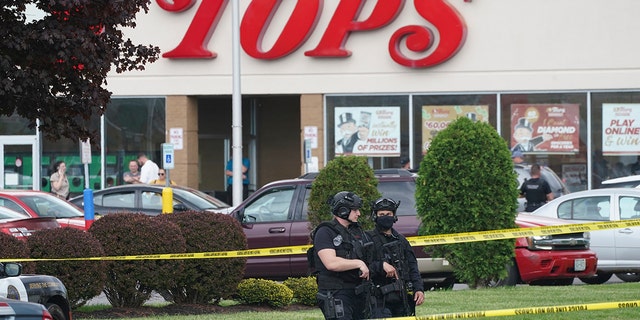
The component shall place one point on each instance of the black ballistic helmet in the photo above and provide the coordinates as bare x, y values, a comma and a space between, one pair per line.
384, 204
343, 202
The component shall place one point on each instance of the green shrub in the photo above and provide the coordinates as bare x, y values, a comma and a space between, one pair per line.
207, 280
261, 291
130, 283
304, 289
11, 247
467, 183
84, 280
349, 173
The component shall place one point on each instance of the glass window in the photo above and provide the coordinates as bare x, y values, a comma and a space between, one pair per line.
432, 113
272, 206
588, 208
629, 208
372, 126
12, 205
132, 125
402, 191
118, 200
549, 129
615, 130
152, 200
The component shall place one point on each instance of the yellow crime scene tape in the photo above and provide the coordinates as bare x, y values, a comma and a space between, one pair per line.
527, 311
414, 241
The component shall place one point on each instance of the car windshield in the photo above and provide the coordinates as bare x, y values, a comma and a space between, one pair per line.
10, 214
200, 199
402, 191
46, 205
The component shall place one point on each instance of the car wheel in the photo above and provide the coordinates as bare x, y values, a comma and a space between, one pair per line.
513, 277
447, 284
599, 278
629, 276
56, 311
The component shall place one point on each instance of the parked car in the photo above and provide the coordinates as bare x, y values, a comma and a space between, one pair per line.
20, 310
622, 182
618, 250
147, 199
558, 187
38, 204
276, 215
21, 226
47, 291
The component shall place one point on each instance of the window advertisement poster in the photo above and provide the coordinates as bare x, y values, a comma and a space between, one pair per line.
545, 128
620, 129
575, 176
437, 118
368, 131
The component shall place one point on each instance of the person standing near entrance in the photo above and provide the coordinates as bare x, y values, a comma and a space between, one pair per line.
149, 170
162, 179
245, 179
59, 181
536, 190
133, 175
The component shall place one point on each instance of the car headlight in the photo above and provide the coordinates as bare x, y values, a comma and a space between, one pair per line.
540, 242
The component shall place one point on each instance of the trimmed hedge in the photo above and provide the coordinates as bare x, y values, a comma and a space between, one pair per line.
207, 280
130, 283
84, 280
11, 247
261, 291
304, 290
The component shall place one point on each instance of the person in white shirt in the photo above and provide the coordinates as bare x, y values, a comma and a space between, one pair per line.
148, 170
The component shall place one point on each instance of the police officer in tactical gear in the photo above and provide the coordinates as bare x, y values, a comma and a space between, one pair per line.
536, 190
395, 274
340, 261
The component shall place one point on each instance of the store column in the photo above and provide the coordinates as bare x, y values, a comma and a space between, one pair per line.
311, 115
182, 113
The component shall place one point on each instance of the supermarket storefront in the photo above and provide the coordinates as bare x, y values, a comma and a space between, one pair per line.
557, 79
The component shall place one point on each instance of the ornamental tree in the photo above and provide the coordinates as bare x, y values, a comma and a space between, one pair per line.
54, 68
467, 183
348, 173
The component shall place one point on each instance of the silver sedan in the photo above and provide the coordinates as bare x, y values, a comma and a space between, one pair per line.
618, 250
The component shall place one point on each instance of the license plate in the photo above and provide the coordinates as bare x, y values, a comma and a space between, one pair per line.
579, 264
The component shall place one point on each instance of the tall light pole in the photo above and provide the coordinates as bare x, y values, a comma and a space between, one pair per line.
236, 118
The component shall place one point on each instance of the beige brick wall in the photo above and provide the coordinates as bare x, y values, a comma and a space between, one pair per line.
311, 114
182, 112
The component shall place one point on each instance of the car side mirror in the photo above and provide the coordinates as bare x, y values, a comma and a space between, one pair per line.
12, 269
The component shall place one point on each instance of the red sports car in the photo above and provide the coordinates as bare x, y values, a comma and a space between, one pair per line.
21, 226
42, 204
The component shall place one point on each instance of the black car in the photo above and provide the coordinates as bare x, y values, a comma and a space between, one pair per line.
21, 310
148, 200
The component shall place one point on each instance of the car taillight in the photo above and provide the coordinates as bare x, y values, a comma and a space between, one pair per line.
46, 315
19, 233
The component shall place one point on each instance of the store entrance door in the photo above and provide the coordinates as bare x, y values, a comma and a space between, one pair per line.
20, 165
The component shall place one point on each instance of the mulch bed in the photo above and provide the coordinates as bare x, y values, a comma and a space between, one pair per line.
178, 309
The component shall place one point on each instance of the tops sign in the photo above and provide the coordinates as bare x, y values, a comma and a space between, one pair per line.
441, 16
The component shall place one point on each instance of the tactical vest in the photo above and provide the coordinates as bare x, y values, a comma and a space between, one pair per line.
349, 248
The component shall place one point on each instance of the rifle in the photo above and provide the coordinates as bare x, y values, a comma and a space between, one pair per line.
394, 255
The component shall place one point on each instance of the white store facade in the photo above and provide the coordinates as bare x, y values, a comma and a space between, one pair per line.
566, 70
